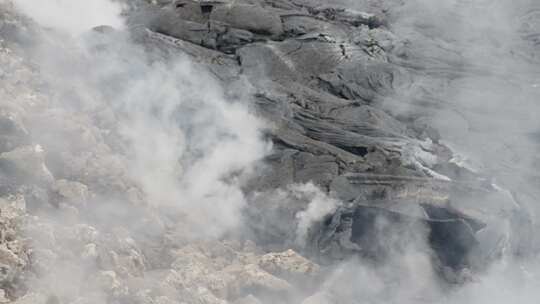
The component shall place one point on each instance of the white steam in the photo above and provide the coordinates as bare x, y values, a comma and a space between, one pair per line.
320, 205
72, 16
189, 160
187, 146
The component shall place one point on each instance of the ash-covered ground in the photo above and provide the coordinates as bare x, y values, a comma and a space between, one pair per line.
269, 151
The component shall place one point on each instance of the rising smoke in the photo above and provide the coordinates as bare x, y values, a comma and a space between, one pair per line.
182, 137
73, 17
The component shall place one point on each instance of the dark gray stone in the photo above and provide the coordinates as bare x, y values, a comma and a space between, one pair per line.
248, 17
337, 82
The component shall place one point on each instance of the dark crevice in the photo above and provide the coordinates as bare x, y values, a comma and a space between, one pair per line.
361, 151
206, 8
446, 214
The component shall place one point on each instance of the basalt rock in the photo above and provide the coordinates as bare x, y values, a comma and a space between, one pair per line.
323, 75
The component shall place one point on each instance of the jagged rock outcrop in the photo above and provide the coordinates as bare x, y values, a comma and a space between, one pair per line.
329, 81
321, 78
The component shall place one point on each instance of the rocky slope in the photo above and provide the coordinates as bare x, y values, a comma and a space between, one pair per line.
101, 177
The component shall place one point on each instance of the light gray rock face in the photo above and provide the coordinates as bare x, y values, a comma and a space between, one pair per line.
248, 300
24, 163
14, 133
71, 192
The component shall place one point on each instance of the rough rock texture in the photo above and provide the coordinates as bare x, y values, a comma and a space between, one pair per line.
324, 77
